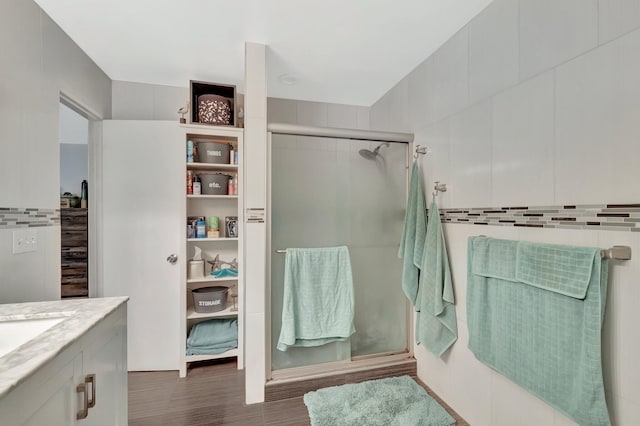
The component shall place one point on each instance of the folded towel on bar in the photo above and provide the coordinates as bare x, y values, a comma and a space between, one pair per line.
318, 300
436, 327
414, 232
213, 336
535, 315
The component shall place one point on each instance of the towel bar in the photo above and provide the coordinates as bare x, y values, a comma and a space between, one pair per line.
617, 252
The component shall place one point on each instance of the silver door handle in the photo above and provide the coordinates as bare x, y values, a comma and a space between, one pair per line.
172, 259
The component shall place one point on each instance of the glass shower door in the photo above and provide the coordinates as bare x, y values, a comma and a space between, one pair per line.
326, 193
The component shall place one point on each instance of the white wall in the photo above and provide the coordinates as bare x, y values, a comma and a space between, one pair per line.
140, 101
74, 150
533, 103
320, 114
38, 62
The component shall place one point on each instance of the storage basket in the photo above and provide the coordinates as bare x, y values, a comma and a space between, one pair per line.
214, 183
210, 299
213, 152
214, 109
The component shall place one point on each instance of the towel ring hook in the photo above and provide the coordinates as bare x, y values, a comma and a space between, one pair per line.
420, 150
438, 187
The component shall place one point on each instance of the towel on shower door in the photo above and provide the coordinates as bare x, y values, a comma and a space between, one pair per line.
413, 235
535, 315
436, 327
318, 302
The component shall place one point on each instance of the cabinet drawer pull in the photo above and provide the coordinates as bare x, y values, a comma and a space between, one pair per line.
91, 378
82, 414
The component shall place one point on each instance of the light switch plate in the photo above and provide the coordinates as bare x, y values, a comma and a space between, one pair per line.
25, 241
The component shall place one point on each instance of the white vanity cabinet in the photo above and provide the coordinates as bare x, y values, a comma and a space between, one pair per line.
89, 376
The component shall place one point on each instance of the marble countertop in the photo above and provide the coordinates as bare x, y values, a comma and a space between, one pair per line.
80, 315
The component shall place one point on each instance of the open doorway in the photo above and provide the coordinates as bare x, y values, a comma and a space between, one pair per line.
74, 205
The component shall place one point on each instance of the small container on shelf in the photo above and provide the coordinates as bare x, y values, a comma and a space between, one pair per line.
213, 152
214, 183
210, 299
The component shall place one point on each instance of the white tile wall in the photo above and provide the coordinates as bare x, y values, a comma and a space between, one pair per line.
282, 111
564, 133
451, 74
470, 157
391, 112
469, 381
436, 164
362, 119
342, 116
552, 32
514, 401
617, 17
523, 144
317, 114
138, 101
312, 114
597, 132
421, 93
493, 49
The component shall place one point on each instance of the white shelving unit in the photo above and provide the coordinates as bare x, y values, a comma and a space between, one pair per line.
209, 279
221, 197
227, 248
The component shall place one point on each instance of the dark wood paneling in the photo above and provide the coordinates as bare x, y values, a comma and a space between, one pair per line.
74, 252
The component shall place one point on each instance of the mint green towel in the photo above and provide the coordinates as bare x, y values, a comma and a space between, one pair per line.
436, 327
213, 337
535, 315
318, 303
413, 235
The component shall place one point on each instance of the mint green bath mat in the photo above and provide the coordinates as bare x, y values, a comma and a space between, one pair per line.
395, 401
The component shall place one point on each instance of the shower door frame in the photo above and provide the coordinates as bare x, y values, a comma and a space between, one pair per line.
362, 361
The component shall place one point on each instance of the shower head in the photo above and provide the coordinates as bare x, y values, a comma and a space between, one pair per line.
372, 155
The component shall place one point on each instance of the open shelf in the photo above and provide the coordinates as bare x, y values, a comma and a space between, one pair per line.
227, 354
209, 279
191, 314
226, 208
211, 166
190, 196
197, 240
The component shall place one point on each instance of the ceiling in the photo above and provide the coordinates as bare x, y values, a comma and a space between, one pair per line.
340, 51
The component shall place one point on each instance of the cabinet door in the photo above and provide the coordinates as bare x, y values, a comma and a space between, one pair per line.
52, 403
104, 359
143, 184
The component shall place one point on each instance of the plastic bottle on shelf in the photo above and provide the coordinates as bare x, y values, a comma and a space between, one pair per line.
231, 187
197, 185
189, 182
189, 151
201, 229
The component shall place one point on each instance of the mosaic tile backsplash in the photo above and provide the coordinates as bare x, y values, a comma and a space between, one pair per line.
11, 217
612, 217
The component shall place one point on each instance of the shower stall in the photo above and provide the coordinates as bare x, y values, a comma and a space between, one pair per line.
335, 187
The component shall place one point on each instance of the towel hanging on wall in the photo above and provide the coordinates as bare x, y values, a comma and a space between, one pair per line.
413, 236
535, 315
436, 327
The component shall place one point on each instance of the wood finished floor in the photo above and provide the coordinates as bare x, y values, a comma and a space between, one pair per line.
212, 394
